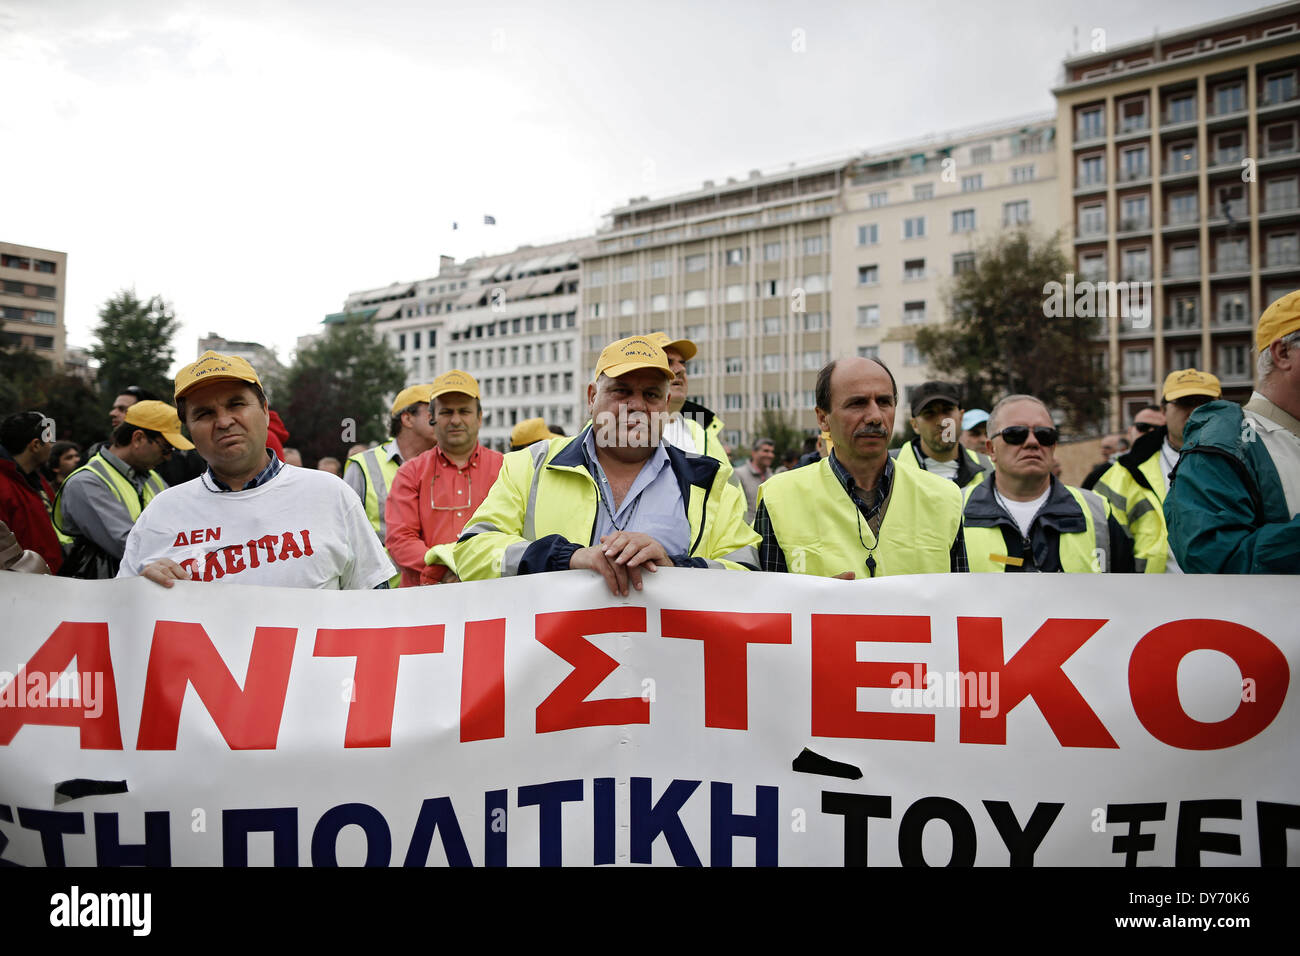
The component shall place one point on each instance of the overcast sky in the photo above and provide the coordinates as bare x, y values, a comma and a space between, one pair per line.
254, 163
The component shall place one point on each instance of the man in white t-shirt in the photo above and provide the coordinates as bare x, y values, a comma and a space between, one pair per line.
250, 519
1022, 518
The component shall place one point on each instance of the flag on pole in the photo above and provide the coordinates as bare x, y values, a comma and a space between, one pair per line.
455, 226
489, 220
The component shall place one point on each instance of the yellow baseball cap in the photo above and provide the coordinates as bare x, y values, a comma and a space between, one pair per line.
530, 430
1188, 381
685, 346
411, 395
1279, 319
632, 353
159, 417
454, 381
211, 367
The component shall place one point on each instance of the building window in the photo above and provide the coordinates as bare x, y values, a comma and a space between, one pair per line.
1186, 358
877, 199
1135, 163
1232, 308
735, 293
981, 154
770, 288
1281, 249
812, 246
736, 328
627, 273
1182, 109
773, 362
596, 278
911, 354
595, 343
772, 400
658, 268
1092, 170
1234, 362
868, 316
963, 220
1022, 174
659, 303
773, 325
736, 257
695, 298
595, 310
734, 365
1137, 265
913, 269
813, 360
733, 402
869, 234
970, 184
868, 275
772, 251
696, 333
913, 313
1279, 88
697, 263
401, 342
1229, 98
812, 321
813, 284
869, 352
923, 191
1015, 213
625, 307
914, 227
963, 262
1092, 219
1137, 366
1279, 139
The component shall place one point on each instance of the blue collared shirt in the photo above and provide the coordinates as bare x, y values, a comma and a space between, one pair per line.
216, 485
653, 505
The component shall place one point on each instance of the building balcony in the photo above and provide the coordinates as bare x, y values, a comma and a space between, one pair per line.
1281, 101
1231, 267
1182, 217
1176, 124
1135, 224
1137, 274
1134, 175
1182, 272
1278, 153
1090, 184
1177, 170
1234, 212
1227, 117
1134, 124
1225, 159
1280, 207
1283, 260
1181, 325
1087, 137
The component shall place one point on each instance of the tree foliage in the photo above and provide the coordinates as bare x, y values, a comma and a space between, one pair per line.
999, 340
134, 345
28, 382
333, 395
778, 427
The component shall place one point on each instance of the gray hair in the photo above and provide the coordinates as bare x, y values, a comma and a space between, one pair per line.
993, 415
1264, 367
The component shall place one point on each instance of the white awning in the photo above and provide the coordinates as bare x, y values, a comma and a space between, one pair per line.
478, 275
503, 271
545, 285
532, 265
471, 296
561, 260
388, 310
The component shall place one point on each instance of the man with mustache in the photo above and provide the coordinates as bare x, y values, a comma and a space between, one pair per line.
1022, 518
614, 500
854, 514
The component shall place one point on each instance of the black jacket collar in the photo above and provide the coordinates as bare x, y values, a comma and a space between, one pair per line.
1060, 512
968, 465
690, 469
1146, 446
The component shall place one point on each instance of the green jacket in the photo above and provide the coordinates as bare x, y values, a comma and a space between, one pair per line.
1226, 510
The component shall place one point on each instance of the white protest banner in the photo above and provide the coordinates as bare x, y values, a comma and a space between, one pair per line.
714, 718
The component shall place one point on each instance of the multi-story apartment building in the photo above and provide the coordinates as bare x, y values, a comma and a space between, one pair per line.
912, 216
509, 320
255, 353
743, 269
32, 285
1181, 167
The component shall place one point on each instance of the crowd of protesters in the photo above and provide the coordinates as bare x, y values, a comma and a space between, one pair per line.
1197, 485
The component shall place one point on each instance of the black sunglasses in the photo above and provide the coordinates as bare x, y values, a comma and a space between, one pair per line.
1019, 434
1144, 427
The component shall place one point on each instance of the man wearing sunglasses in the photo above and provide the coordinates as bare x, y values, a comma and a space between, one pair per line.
1022, 518
937, 448
1234, 500
100, 502
1135, 485
854, 514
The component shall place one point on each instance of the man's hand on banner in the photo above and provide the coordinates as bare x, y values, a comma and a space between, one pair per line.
165, 572
635, 549
615, 575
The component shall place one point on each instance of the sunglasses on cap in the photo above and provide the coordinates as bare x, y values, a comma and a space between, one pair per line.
1019, 434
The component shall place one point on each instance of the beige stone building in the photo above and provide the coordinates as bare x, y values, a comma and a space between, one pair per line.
1181, 167
911, 217
32, 284
742, 268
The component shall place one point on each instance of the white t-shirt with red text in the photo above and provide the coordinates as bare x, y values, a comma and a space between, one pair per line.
302, 529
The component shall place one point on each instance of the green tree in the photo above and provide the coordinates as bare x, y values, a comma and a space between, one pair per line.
778, 427
1000, 339
28, 382
332, 396
134, 345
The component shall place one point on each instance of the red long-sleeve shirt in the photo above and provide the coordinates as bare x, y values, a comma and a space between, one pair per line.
431, 501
